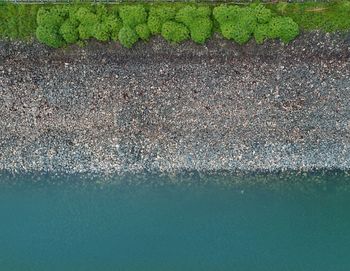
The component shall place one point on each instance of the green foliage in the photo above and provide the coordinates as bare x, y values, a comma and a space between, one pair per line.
69, 31
328, 16
175, 32
88, 20
143, 31
17, 21
284, 28
239, 24
226, 14
261, 33
132, 15
49, 25
114, 24
263, 15
281, 7
108, 28
51, 17
158, 15
58, 25
198, 22
127, 36
49, 37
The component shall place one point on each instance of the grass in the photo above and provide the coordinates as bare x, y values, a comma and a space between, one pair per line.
329, 17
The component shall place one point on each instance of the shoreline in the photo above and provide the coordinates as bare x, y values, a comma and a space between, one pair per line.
166, 108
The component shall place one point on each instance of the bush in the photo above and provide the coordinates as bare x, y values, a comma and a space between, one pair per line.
198, 22
175, 32
133, 15
108, 28
237, 24
158, 16
127, 36
143, 31
226, 14
69, 31
261, 33
58, 25
263, 15
52, 17
114, 25
49, 25
88, 20
49, 37
284, 28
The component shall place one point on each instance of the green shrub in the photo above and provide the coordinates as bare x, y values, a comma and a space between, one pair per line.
58, 25
261, 33
49, 25
158, 15
114, 24
143, 31
284, 28
226, 14
101, 31
127, 36
49, 37
175, 32
237, 24
239, 33
88, 20
198, 22
101, 11
107, 28
69, 31
133, 15
263, 15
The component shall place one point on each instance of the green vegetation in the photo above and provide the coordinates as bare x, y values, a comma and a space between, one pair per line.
329, 17
240, 24
17, 21
60, 25
175, 32
127, 36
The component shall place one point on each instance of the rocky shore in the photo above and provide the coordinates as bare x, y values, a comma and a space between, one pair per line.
168, 108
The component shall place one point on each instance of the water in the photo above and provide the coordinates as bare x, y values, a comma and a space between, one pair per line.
276, 225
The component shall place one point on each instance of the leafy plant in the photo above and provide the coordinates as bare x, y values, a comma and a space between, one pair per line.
49, 24
69, 31
240, 24
132, 15
158, 15
284, 28
88, 20
198, 22
127, 36
175, 32
237, 24
143, 31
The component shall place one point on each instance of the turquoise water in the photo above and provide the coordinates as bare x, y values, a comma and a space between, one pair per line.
279, 224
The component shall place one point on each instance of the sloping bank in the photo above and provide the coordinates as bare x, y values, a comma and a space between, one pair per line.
162, 107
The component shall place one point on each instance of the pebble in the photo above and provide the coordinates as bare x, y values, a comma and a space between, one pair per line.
167, 108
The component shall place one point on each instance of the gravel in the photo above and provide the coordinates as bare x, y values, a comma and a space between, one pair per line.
169, 108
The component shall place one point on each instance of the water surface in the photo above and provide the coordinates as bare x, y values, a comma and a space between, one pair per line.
279, 224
